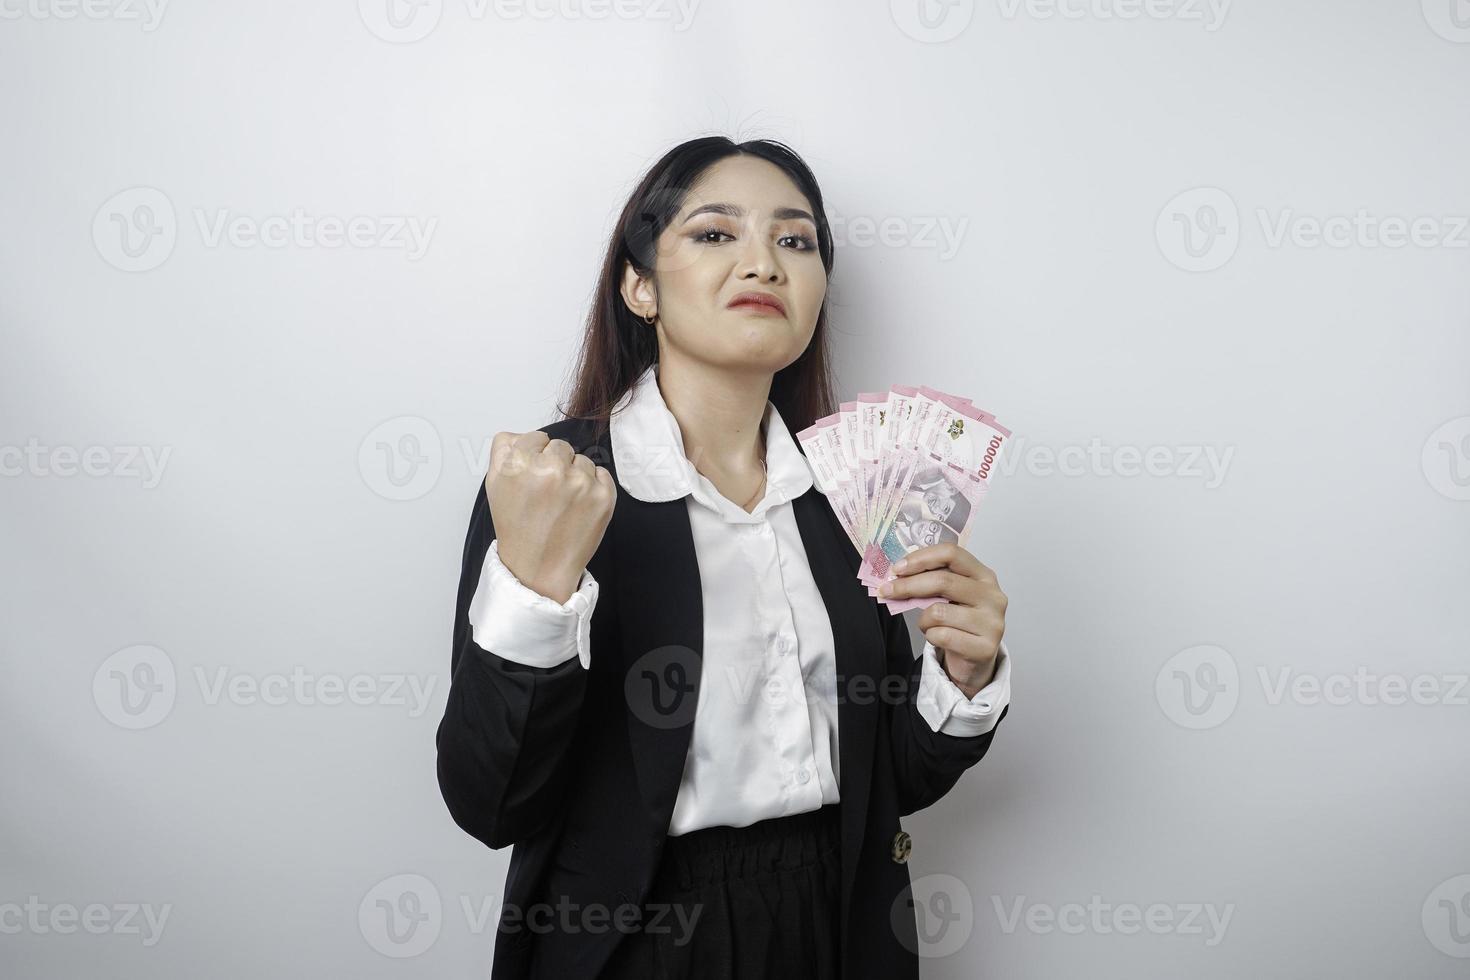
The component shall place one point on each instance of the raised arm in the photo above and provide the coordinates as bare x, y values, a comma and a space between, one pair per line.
510, 717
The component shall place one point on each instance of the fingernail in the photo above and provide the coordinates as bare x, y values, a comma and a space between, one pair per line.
885, 588
902, 564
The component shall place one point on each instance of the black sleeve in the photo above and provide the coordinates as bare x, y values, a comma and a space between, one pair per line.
503, 741
926, 763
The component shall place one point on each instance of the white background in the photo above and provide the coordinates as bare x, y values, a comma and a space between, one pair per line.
1131, 268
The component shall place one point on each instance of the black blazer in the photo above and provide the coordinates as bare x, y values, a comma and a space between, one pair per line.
578, 768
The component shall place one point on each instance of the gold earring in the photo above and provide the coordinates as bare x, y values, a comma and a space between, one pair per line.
648, 319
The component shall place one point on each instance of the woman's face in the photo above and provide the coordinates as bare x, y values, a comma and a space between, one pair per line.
744, 226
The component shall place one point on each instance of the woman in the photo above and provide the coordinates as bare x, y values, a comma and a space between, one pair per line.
670, 692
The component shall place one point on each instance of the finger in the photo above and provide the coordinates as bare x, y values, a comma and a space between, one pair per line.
935, 582
586, 468
974, 647
941, 613
982, 617
946, 553
501, 444
501, 448
559, 449
531, 442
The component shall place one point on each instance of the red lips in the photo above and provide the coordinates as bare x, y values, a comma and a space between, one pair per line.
763, 299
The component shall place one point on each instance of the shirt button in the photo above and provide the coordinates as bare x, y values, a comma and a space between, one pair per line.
783, 644
803, 775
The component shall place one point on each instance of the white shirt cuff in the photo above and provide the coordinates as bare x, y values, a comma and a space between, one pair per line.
511, 620
944, 706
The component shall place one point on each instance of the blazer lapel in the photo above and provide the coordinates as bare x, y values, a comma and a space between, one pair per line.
661, 608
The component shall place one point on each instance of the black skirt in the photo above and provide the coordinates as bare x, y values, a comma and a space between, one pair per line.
739, 903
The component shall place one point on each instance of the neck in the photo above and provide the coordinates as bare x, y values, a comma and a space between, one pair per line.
720, 413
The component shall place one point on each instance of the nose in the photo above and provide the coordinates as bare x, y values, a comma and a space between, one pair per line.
760, 259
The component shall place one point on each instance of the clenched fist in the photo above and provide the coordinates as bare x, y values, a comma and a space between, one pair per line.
551, 507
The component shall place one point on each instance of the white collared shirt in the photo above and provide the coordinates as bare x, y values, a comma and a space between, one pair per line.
765, 727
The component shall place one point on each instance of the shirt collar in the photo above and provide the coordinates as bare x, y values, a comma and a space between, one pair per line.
652, 466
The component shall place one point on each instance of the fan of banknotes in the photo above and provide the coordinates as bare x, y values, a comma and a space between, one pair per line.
903, 469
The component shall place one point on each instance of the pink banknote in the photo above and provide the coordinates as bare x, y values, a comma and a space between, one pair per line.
903, 469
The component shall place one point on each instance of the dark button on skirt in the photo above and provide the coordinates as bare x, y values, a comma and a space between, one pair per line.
740, 903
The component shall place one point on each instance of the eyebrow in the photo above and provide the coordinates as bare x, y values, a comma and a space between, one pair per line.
736, 211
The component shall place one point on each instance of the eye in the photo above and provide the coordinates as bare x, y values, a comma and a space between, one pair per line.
701, 235
804, 243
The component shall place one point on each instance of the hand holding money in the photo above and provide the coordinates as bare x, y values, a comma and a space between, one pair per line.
904, 469
967, 629
551, 507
